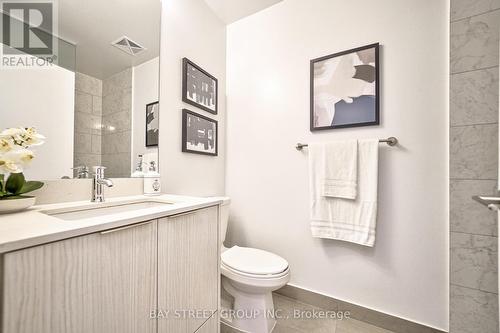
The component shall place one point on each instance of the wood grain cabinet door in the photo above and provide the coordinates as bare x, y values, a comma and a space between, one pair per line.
98, 283
188, 270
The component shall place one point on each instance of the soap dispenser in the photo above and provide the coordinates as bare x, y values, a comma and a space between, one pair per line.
152, 183
138, 172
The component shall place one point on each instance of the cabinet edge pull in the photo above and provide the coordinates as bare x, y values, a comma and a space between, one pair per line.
190, 212
124, 228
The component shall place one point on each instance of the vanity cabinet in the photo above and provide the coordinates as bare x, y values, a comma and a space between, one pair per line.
101, 283
188, 270
111, 281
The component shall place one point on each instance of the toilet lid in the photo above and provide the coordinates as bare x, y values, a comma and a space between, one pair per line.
253, 261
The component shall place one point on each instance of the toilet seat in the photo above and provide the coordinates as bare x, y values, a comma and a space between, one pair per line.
228, 271
253, 262
251, 283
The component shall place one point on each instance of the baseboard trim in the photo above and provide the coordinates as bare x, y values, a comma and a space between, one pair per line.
370, 316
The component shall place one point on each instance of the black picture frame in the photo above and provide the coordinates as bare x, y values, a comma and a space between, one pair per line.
186, 64
151, 140
376, 48
186, 133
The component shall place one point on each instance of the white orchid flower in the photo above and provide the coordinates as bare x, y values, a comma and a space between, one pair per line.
9, 166
12, 132
15, 160
22, 156
24, 137
6, 145
14, 152
32, 138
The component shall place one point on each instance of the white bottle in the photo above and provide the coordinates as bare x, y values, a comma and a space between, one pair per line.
138, 173
152, 182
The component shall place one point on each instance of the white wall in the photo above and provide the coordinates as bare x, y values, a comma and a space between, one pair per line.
268, 54
190, 29
145, 90
41, 98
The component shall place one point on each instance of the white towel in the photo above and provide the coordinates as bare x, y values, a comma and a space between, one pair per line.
348, 220
341, 169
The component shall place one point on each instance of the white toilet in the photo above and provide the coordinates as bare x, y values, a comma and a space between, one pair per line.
249, 276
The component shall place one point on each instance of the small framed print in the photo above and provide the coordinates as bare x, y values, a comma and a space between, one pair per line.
199, 88
152, 124
199, 134
345, 89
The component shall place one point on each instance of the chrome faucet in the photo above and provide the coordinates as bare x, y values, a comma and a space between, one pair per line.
81, 171
97, 184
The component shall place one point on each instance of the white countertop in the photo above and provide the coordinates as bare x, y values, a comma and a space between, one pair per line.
32, 227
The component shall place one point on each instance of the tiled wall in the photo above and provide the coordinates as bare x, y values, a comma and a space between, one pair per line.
88, 110
474, 56
103, 122
116, 120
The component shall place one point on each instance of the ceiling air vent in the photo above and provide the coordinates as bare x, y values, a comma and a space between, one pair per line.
128, 46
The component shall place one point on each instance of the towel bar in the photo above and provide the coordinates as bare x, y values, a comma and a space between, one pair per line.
391, 141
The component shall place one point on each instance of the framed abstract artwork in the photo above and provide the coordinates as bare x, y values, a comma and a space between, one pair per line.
199, 88
345, 89
152, 124
199, 134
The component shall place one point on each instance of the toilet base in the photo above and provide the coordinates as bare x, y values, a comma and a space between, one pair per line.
251, 312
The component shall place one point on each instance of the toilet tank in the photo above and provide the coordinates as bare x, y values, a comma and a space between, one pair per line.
224, 217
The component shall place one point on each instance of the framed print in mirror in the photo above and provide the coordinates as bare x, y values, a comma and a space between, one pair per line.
199, 88
152, 124
199, 134
345, 89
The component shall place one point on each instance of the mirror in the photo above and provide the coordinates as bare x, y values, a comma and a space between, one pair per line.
96, 99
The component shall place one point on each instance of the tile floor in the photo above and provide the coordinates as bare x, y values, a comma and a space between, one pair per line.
292, 325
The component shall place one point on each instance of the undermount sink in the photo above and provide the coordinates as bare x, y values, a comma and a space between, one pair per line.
88, 212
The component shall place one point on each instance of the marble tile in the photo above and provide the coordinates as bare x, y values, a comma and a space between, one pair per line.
382, 320
117, 82
357, 312
296, 315
96, 144
356, 326
89, 160
97, 105
126, 99
283, 329
83, 102
117, 122
474, 97
118, 165
82, 122
227, 329
277, 329
473, 311
474, 42
117, 102
83, 143
464, 8
467, 215
474, 152
110, 104
88, 84
474, 261
87, 123
116, 143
